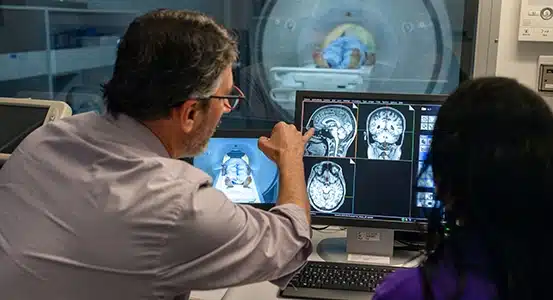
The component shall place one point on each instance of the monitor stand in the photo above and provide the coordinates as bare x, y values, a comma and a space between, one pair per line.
362, 245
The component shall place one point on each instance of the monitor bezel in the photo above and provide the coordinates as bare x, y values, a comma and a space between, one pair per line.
352, 222
56, 110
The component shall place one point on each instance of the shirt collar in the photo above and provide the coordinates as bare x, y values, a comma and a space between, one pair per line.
140, 132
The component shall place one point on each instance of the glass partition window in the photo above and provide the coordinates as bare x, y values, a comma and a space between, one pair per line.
65, 50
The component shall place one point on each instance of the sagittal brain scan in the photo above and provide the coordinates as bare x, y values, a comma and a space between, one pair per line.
335, 130
240, 170
385, 131
326, 187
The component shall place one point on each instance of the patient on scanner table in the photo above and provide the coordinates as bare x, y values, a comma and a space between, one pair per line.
236, 180
240, 170
347, 46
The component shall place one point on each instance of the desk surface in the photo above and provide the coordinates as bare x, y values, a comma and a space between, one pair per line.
270, 291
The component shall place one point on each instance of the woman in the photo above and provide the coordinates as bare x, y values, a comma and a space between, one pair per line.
492, 157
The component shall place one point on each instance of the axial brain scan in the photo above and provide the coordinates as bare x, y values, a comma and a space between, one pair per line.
326, 187
335, 130
384, 133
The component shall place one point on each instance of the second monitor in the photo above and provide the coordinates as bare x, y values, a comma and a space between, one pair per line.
363, 163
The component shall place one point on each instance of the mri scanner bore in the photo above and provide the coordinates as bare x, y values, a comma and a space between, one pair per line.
240, 170
335, 130
358, 45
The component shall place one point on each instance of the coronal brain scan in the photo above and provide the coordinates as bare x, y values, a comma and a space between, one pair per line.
326, 187
385, 130
240, 170
335, 130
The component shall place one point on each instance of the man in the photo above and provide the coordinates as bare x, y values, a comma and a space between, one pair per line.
97, 207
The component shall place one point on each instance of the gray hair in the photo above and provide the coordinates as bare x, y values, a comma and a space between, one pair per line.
208, 90
164, 57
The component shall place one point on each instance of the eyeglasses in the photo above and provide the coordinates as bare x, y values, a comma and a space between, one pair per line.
233, 99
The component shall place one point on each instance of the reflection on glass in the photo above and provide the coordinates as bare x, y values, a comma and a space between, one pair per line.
350, 45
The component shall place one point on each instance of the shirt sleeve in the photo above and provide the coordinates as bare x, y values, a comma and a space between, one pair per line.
218, 244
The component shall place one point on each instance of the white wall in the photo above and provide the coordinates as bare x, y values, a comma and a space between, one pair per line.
517, 59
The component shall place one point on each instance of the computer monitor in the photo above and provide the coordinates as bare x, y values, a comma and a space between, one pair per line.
19, 117
239, 169
362, 165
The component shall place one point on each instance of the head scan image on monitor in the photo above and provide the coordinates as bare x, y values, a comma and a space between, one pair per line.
365, 162
240, 170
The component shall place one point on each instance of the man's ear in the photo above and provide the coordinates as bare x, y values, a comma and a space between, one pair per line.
187, 113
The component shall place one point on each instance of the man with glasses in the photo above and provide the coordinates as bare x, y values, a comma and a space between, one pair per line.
99, 207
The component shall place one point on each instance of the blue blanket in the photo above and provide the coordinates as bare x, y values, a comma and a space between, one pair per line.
338, 53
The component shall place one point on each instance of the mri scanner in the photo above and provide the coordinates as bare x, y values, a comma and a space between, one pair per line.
406, 47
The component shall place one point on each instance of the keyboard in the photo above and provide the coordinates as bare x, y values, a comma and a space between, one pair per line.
336, 281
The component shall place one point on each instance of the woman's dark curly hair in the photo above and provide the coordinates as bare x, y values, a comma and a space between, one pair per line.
491, 155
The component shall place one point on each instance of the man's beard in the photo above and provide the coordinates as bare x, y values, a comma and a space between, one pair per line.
197, 143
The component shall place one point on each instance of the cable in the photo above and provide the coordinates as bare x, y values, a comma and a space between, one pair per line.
320, 228
328, 229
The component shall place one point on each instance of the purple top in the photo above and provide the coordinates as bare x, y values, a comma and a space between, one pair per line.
407, 285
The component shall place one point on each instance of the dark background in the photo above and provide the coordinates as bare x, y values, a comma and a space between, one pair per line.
383, 188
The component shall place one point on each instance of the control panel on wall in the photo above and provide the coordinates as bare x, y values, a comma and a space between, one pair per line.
536, 21
545, 77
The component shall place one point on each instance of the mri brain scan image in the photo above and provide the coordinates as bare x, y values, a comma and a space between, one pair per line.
384, 133
335, 130
240, 170
326, 187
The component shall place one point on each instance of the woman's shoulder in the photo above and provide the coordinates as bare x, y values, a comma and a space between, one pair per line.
404, 284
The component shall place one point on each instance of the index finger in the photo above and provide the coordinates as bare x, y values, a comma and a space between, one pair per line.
308, 134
